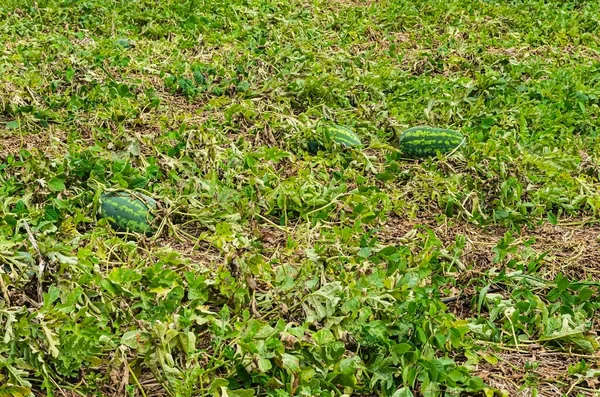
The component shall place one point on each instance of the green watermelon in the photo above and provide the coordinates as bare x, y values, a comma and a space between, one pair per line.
423, 141
342, 136
313, 146
129, 212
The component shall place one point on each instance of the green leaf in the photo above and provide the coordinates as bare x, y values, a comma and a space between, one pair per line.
364, 252
51, 214
14, 391
481, 299
489, 358
69, 73
51, 341
334, 352
409, 375
109, 287
401, 348
456, 375
421, 335
124, 43
475, 384
403, 392
8, 329
348, 366
138, 183
386, 176
384, 376
290, 362
585, 294
225, 392
216, 386
51, 296
57, 184
20, 208
264, 364
323, 337
12, 125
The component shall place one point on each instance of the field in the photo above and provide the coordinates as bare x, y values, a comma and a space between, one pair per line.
281, 267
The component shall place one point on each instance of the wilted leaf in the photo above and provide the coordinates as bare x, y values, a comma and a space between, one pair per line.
131, 338
290, 362
322, 303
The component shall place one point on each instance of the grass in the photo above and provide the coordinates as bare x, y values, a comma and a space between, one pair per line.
277, 272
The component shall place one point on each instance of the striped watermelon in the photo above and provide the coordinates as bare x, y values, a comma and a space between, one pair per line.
129, 212
423, 141
342, 136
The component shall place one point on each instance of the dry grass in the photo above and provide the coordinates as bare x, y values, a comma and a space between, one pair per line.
518, 369
569, 249
52, 141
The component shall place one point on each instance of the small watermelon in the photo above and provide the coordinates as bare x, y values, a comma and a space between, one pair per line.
342, 136
421, 142
129, 212
313, 146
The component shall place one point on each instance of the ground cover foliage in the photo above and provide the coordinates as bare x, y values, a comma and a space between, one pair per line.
276, 271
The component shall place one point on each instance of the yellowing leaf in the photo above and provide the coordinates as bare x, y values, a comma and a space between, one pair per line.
52, 341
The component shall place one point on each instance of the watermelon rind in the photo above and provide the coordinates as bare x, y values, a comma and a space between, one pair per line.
423, 141
342, 136
129, 212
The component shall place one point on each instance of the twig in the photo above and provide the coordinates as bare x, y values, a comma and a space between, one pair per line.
135, 379
333, 201
458, 147
568, 354
457, 297
454, 260
58, 387
74, 390
573, 385
584, 222
270, 222
33, 303
4, 291
502, 347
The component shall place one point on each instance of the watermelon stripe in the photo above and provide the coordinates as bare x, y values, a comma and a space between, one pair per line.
123, 205
432, 143
343, 130
431, 129
343, 136
129, 212
427, 135
419, 142
346, 139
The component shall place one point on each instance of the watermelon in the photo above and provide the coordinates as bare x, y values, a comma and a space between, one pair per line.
342, 136
129, 212
313, 146
423, 141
